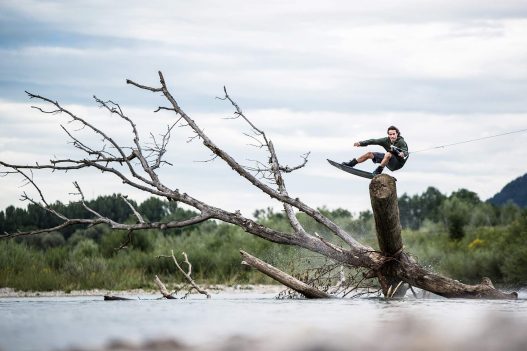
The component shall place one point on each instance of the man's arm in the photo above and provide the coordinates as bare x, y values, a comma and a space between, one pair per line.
398, 151
400, 148
380, 141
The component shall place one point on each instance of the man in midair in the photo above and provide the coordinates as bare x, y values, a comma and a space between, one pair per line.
395, 157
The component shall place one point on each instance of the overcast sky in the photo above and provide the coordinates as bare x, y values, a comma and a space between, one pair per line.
315, 75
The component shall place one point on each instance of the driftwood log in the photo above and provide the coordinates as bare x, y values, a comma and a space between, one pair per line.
116, 298
284, 278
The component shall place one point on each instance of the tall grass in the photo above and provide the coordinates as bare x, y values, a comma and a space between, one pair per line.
88, 259
85, 264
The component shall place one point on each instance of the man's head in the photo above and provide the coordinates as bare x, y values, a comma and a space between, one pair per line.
393, 133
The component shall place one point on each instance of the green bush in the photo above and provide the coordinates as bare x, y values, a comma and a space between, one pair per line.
514, 246
85, 248
497, 252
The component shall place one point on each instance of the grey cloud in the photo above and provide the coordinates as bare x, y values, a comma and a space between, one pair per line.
334, 71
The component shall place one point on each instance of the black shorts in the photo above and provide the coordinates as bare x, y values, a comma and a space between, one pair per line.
394, 163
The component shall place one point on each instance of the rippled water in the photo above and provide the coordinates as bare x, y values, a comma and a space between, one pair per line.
47, 323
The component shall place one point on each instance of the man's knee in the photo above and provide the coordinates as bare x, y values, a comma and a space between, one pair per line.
369, 155
387, 156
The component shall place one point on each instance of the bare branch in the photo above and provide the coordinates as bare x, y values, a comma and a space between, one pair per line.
260, 143
159, 149
163, 289
115, 225
86, 207
79, 164
47, 207
78, 144
136, 213
288, 169
53, 112
280, 196
239, 111
25, 197
274, 169
332, 246
164, 108
128, 81
105, 137
138, 152
157, 188
187, 274
126, 242
192, 138
30, 181
65, 224
212, 158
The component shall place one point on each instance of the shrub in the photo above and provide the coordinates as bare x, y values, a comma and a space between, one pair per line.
85, 248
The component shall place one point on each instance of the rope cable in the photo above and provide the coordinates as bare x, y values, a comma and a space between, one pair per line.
468, 141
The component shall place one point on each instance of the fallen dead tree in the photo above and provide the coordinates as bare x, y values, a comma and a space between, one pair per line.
136, 164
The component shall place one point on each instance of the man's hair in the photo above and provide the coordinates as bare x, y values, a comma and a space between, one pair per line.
394, 128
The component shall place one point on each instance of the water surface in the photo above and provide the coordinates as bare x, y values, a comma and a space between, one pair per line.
51, 323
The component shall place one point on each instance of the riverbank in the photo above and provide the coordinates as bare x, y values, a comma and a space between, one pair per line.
212, 289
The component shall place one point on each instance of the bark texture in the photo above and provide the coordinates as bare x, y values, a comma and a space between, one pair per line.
383, 196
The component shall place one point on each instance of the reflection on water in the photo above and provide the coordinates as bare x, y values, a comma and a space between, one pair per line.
89, 322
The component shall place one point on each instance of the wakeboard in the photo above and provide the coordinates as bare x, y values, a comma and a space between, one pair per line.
351, 170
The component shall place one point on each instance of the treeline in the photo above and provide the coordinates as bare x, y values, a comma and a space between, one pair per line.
458, 235
111, 206
461, 209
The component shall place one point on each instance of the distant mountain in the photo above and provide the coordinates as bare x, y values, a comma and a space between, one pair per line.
515, 191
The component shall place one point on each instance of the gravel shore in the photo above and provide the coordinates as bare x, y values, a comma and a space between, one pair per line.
212, 289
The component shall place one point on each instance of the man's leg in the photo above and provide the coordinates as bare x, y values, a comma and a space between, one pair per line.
360, 159
384, 162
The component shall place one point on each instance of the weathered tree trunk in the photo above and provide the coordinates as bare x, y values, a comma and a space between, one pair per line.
399, 267
289, 281
383, 196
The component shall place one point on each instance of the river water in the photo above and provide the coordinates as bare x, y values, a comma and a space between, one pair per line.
88, 322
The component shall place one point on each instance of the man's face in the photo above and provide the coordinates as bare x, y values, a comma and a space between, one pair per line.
392, 134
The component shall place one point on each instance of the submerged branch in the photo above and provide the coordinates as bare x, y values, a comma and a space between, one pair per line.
291, 282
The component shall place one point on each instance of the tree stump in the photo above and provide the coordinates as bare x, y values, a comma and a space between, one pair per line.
383, 196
